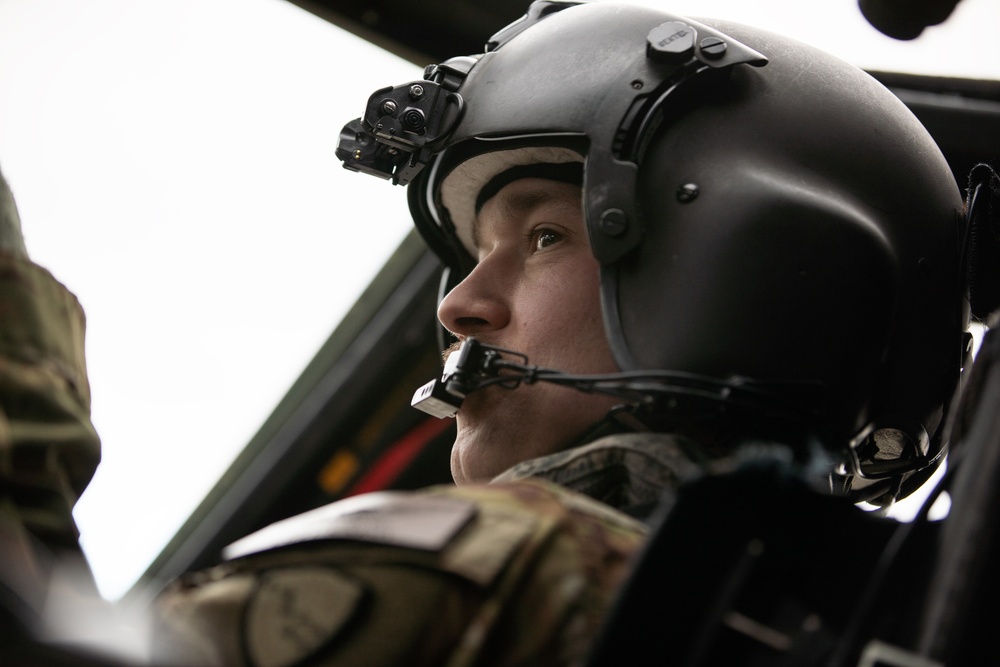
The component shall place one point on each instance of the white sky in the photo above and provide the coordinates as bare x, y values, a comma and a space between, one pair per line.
173, 164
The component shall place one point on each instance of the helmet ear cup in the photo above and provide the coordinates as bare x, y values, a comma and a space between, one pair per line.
799, 231
768, 289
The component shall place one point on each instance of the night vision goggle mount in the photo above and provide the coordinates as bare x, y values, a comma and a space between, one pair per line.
405, 125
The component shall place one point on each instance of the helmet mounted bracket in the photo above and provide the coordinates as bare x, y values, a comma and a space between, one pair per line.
676, 52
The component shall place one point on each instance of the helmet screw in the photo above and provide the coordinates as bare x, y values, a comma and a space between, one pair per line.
389, 107
613, 222
713, 47
687, 193
416, 91
637, 84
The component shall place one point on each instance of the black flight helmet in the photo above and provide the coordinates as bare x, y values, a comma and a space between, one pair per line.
765, 215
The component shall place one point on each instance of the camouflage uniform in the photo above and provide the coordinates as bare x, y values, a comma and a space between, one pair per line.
628, 471
49, 449
48, 446
48, 454
522, 571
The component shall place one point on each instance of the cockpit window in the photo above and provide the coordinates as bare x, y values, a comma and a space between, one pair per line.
174, 166
173, 163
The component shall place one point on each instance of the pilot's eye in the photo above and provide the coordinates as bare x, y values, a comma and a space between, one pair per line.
546, 237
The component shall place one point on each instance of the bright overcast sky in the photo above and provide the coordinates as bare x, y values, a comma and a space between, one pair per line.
173, 163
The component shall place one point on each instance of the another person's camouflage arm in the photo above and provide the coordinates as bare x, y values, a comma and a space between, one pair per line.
48, 447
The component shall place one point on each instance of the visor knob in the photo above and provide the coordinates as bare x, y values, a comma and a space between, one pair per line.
670, 43
613, 222
713, 47
687, 193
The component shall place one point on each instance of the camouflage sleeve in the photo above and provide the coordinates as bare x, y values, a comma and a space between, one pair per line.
48, 447
511, 574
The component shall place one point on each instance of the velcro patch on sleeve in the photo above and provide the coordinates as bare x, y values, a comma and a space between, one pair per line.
426, 523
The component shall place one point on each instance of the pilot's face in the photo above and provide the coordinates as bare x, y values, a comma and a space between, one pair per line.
534, 291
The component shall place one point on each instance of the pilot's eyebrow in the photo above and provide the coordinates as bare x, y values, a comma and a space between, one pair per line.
519, 203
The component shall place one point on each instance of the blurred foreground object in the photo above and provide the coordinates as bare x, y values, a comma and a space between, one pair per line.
906, 19
49, 451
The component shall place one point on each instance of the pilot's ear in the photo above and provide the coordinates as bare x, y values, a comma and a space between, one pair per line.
11, 239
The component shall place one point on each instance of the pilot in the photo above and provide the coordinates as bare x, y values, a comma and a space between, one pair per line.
667, 243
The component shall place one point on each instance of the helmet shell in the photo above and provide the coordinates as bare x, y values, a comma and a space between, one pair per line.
791, 223
822, 245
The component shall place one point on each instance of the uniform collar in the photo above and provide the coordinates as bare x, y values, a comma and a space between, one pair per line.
628, 471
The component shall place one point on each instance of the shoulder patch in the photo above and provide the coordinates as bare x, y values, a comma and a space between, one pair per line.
423, 522
296, 612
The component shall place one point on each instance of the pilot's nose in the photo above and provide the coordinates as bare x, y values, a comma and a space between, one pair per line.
479, 304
